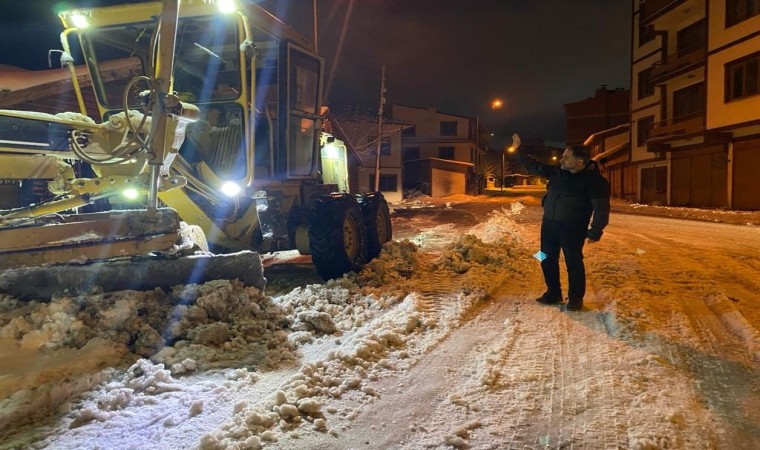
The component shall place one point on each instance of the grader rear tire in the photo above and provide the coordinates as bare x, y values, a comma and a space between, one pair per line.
337, 235
378, 220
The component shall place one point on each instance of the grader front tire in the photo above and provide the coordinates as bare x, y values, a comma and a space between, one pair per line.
337, 235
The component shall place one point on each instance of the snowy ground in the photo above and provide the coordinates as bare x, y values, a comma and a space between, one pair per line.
437, 344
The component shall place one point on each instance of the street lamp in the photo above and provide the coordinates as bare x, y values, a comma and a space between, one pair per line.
497, 104
509, 149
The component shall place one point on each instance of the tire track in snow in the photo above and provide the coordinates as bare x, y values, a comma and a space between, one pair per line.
437, 292
714, 345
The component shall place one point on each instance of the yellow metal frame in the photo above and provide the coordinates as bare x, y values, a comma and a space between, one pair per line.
146, 12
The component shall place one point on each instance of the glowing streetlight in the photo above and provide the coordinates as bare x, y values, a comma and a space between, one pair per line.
496, 103
510, 149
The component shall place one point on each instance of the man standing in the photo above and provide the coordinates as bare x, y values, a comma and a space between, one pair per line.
576, 191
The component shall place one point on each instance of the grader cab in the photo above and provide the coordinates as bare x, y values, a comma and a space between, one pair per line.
207, 134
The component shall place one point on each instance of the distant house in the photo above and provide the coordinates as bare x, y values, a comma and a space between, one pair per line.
360, 134
440, 137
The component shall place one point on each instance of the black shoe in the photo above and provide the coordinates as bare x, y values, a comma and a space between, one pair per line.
549, 298
574, 304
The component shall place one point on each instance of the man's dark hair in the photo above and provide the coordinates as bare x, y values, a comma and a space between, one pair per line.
581, 151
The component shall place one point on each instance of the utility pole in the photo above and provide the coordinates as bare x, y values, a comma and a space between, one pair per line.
316, 37
501, 185
379, 130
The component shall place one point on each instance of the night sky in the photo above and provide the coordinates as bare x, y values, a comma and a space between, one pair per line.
453, 55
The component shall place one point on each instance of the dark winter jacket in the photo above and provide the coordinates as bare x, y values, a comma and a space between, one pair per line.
573, 197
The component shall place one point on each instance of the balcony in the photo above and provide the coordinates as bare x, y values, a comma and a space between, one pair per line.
650, 8
688, 124
678, 62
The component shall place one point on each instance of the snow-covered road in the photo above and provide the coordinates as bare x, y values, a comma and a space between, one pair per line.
666, 355
438, 344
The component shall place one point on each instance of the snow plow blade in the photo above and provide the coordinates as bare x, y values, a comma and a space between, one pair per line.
44, 282
114, 250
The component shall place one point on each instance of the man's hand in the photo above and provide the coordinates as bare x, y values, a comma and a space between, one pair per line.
594, 235
516, 141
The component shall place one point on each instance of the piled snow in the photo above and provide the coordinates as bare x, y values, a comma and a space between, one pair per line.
367, 325
748, 218
384, 331
335, 365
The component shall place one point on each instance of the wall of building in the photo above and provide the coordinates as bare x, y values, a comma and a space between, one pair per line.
738, 111
648, 106
606, 109
428, 138
446, 183
718, 35
365, 178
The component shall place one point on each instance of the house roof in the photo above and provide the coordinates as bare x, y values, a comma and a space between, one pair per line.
601, 157
421, 108
605, 133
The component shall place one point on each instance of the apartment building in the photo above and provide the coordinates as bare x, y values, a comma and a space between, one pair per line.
606, 109
441, 152
695, 103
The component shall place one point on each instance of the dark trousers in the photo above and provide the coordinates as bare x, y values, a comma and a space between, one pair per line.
568, 237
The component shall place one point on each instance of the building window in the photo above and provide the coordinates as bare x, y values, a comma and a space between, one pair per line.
692, 38
741, 10
388, 183
644, 130
385, 146
688, 102
411, 153
449, 128
743, 77
646, 87
409, 131
646, 34
446, 153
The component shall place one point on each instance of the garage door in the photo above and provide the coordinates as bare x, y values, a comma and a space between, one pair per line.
700, 180
746, 164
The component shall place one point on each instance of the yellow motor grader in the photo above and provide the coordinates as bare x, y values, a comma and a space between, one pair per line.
207, 136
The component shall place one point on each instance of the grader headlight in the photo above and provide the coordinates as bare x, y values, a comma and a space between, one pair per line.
130, 193
80, 21
227, 6
231, 189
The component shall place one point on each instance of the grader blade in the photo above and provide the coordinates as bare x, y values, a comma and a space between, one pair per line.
115, 250
92, 236
44, 282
